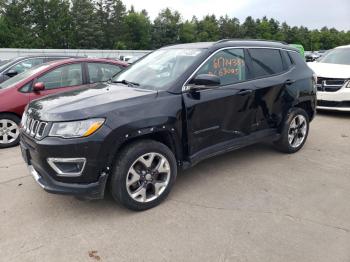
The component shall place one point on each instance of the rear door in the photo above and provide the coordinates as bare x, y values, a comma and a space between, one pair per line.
270, 78
221, 114
60, 79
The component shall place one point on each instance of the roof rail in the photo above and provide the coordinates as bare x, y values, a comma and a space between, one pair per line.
241, 39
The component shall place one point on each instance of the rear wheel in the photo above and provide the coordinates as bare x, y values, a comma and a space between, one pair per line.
144, 174
9, 130
294, 131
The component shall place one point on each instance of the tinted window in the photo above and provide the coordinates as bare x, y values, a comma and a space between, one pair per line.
27, 64
100, 72
266, 62
287, 60
64, 76
228, 65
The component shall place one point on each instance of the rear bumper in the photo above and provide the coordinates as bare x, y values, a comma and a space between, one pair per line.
88, 191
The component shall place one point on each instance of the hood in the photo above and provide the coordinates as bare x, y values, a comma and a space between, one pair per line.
330, 70
87, 102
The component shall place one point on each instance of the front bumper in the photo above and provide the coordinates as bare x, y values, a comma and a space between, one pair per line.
90, 184
88, 191
339, 100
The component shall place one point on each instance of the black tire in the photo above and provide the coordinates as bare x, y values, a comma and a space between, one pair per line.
14, 119
283, 144
125, 160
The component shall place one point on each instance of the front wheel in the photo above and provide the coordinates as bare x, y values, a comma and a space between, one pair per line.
9, 130
144, 174
294, 131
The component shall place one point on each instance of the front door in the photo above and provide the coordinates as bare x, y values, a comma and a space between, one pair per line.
63, 78
224, 113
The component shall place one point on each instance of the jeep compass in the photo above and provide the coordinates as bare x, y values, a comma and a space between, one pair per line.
173, 108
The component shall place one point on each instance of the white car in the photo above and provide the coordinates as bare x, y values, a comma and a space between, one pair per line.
333, 79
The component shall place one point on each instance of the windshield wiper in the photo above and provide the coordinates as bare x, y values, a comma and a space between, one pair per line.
126, 82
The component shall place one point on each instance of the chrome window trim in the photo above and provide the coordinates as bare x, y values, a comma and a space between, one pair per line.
185, 87
51, 162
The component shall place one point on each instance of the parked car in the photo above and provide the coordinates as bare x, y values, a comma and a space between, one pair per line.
174, 108
46, 79
333, 79
18, 65
311, 56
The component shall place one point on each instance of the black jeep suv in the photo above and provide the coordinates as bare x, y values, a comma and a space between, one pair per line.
173, 108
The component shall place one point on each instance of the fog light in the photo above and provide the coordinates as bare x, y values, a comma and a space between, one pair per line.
67, 166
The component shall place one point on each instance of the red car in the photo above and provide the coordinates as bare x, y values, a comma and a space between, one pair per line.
46, 79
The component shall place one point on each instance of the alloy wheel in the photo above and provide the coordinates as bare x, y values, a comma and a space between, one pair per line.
297, 131
9, 131
148, 177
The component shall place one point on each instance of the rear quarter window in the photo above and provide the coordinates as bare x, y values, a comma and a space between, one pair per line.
288, 63
266, 62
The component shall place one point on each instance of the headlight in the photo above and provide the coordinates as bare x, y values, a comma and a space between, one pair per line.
74, 129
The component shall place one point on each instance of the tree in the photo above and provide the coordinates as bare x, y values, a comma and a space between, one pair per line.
208, 29
106, 24
166, 28
249, 28
15, 19
188, 32
86, 31
50, 23
138, 31
229, 27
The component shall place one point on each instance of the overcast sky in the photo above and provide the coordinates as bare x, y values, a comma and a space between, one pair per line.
310, 13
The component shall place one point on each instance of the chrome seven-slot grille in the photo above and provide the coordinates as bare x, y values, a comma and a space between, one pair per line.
33, 128
329, 84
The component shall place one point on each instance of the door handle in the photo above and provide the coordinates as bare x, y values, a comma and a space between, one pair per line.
289, 82
245, 92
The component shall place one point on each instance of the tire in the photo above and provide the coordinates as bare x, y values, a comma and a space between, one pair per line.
143, 175
294, 131
9, 130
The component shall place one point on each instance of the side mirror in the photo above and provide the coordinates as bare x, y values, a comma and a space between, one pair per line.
38, 87
205, 81
11, 73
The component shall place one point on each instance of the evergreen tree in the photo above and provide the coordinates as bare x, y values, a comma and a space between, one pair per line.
166, 28
50, 23
137, 31
86, 32
106, 24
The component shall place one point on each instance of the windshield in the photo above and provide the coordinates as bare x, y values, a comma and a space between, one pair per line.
5, 63
337, 56
160, 69
18, 78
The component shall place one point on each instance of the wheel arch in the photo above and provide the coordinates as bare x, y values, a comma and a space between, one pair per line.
307, 106
167, 137
10, 113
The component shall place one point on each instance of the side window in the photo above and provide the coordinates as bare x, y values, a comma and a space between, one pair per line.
100, 72
26, 88
266, 61
64, 76
228, 65
27, 64
288, 63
